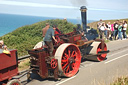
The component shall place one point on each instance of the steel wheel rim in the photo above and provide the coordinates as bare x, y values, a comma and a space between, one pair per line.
102, 56
70, 59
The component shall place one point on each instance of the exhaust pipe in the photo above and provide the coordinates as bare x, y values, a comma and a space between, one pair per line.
83, 10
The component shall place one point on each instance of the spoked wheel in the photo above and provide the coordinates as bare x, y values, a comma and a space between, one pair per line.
69, 59
95, 48
102, 56
14, 82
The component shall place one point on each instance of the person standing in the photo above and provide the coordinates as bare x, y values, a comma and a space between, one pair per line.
49, 36
116, 25
99, 24
44, 30
108, 29
112, 31
124, 30
120, 31
102, 28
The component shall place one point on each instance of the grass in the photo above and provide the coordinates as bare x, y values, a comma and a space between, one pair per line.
121, 81
23, 65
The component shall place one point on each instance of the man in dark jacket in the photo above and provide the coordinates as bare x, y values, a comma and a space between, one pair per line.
116, 25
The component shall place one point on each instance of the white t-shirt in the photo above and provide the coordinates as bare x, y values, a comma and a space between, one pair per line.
109, 27
116, 26
102, 28
125, 27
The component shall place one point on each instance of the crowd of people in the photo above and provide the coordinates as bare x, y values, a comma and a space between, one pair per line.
112, 31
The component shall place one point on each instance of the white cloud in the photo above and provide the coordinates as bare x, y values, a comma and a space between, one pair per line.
110, 10
17, 3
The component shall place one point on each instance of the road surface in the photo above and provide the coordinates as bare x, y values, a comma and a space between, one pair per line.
94, 73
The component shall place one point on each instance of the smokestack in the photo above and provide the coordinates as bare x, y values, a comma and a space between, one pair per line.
83, 10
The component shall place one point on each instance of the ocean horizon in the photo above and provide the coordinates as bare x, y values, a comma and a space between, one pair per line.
10, 22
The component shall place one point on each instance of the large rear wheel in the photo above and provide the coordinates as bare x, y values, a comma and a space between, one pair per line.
69, 59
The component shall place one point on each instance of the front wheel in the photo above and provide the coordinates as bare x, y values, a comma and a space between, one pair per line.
101, 57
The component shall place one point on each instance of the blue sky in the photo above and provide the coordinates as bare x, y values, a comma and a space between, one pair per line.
97, 9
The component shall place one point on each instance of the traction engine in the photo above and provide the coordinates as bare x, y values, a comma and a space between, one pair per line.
69, 51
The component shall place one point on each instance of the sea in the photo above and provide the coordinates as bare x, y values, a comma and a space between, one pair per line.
10, 22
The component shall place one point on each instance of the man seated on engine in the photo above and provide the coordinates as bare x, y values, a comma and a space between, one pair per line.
49, 36
79, 31
2, 46
83, 36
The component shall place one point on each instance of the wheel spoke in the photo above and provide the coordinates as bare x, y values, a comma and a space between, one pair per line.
69, 53
75, 54
66, 55
65, 65
72, 55
67, 69
64, 60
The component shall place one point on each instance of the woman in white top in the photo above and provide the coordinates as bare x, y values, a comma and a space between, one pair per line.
124, 30
102, 28
108, 29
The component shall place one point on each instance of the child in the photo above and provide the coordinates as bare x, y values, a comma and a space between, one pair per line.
2, 46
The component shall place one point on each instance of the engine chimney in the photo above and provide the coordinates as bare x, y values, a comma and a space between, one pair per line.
83, 10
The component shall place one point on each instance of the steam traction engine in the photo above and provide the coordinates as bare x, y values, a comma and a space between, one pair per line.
70, 49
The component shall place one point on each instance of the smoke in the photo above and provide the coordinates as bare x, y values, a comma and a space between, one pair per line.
78, 3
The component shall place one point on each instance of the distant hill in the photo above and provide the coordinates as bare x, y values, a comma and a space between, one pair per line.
94, 24
26, 37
